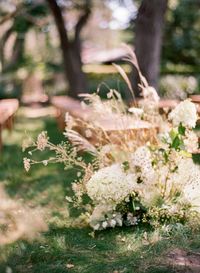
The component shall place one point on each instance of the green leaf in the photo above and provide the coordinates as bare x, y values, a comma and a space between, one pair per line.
181, 129
126, 165
176, 143
133, 204
196, 158
173, 134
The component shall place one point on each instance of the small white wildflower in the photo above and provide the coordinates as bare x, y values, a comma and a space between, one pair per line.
113, 223
132, 219
96, 227
27, 164
45, 162
42, 141
104, 224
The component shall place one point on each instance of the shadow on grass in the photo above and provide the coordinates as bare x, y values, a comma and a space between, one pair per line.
105, 253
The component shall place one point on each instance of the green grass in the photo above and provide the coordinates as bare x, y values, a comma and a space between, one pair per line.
118, 250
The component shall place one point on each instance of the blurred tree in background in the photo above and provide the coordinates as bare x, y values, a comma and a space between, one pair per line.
67, 41
148, 38
71, 48
25, 16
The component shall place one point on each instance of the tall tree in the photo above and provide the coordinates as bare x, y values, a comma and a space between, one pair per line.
71, 49
148, 37
23, 18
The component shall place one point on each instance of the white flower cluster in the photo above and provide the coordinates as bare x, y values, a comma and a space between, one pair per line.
191, 141
111, 185
188, 177
185, 113
142, 159
103, 217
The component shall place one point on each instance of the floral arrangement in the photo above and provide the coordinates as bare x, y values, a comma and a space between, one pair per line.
135, 182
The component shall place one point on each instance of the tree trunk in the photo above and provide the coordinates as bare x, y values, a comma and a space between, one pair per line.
148, 38
71, 58
3, 41
17, 53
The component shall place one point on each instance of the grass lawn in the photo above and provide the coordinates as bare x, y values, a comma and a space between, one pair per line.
66, 247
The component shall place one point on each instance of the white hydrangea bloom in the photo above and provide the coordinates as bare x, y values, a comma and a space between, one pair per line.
111, 185
142, 159
185, 113
188, 178
188, 172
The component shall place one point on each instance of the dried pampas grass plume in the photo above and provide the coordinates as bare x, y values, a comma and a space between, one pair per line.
17, 221
81, 143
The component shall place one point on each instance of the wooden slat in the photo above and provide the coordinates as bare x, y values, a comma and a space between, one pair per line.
8, 107
72, 106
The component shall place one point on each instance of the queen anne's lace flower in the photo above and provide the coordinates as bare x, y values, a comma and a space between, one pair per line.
42, 141
111, 185
27, 163
185, 113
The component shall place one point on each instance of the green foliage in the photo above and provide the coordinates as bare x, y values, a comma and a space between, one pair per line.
182, 39
181, 129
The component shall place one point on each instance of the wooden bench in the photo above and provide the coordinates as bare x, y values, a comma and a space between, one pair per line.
115, 126
8, 108
196, 100
64, 104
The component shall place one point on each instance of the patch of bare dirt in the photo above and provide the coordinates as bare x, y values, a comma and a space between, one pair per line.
183, 261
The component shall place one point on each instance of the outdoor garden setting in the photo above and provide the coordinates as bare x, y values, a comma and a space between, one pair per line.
100, 136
